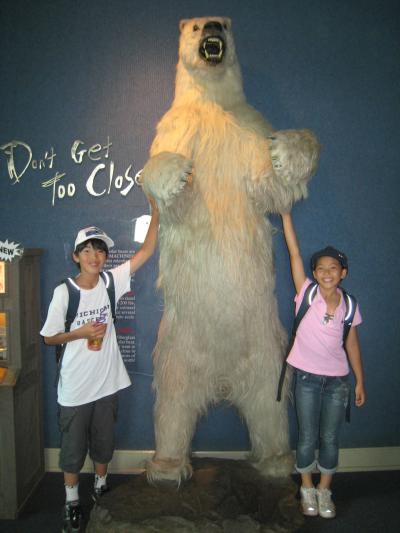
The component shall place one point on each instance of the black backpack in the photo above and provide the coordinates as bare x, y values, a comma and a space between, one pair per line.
74, 295
310, 292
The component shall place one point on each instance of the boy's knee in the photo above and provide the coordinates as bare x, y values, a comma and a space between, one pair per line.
73, 439
70, 466
101, 442
102, 456
72, 457
101, 445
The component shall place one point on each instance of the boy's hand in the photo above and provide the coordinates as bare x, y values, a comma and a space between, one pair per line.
92, 330
360, 395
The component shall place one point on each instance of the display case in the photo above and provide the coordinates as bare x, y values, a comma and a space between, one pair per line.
21, 419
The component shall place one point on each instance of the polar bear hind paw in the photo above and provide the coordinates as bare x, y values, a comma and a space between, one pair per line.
165, 176
276, 466
168, 472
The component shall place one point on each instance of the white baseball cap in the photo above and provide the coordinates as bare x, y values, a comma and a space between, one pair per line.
92, 232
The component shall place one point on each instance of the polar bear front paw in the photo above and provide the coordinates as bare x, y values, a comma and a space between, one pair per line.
165, 176
294, 156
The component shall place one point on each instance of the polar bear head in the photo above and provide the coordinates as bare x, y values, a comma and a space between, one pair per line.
206, 42
207, 56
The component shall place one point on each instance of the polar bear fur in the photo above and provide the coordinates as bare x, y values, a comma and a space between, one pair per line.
215, 168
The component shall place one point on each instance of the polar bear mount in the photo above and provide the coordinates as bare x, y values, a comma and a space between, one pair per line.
216, 168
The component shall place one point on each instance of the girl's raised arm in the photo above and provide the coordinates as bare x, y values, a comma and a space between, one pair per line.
296, 261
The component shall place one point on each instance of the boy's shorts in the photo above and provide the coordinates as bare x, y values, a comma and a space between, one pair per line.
88, 427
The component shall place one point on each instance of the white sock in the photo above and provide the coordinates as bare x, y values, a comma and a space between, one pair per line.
99, 481
71, 493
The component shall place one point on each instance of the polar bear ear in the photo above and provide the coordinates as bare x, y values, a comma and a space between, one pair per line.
228, 23
182, 24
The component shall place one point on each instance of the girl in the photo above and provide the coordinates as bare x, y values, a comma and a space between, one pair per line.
321, 370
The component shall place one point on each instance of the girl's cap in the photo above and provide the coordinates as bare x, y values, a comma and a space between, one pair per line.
93, 233
329, 251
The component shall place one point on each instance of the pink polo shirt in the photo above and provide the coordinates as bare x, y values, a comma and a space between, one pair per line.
318, 347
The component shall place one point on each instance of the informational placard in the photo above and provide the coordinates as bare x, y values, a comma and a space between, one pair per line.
125, 324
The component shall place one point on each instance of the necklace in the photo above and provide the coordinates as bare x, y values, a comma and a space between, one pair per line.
327, 318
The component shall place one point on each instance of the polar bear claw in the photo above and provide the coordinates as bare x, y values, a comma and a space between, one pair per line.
165, 176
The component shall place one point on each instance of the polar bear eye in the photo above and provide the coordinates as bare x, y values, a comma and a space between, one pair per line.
225, 26
195, 28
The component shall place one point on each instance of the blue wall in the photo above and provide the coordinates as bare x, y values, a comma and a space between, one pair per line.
95, 70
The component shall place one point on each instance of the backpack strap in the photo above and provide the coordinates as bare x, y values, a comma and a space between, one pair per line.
108, 279
351, 305
308, 297
74, 296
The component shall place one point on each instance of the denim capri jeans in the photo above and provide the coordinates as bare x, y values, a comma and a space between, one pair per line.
321, 403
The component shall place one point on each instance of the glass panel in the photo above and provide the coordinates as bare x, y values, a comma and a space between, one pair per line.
2, 277
3, 337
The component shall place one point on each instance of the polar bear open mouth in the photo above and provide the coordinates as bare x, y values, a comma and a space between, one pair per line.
212, 49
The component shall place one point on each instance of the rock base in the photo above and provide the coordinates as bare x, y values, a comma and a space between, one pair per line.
222, 496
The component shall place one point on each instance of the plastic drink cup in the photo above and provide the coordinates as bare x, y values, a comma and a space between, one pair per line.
95, 344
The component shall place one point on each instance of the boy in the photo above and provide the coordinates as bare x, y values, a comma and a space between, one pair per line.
92, 370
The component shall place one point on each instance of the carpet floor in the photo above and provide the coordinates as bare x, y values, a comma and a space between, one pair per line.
367, 502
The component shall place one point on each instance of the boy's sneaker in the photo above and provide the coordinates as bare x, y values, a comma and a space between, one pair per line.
98, 493
309, 504
72, 517
326, 507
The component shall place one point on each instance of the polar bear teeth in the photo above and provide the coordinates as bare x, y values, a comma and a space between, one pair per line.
212, 49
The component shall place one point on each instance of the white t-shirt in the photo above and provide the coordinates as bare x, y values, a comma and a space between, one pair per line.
88, 375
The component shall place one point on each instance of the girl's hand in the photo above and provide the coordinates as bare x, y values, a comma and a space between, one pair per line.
360, 395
